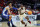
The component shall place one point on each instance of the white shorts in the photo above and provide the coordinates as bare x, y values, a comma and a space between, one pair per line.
21, 16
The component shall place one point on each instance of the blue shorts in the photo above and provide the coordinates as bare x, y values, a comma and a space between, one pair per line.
5, 17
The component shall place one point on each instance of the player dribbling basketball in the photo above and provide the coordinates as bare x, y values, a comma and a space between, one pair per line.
22, 14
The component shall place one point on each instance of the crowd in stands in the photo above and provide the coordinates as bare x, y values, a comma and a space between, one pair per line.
17, 5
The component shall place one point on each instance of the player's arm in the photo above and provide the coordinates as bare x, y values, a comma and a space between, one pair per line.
14, 8
26, 11
7, 8
9, 12
19, 11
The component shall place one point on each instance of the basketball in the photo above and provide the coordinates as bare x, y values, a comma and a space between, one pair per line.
29, 12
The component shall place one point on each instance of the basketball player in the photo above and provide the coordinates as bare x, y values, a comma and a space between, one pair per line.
6, 14
22, 14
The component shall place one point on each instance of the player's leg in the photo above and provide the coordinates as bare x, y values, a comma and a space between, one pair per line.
9, 19
12, 24
28, 19
21, 18
23, 22
24, 17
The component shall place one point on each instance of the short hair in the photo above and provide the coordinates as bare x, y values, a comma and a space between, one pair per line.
9, 2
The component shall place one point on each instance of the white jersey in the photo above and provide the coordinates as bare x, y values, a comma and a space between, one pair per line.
22, 11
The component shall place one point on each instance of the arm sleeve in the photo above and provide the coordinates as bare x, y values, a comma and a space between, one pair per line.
14, 8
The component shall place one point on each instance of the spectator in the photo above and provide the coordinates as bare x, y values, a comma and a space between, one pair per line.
0, 10
39, 13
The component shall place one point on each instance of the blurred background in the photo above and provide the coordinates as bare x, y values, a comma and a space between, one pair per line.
33, 5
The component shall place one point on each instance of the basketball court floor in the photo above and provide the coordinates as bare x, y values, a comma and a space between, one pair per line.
34, 24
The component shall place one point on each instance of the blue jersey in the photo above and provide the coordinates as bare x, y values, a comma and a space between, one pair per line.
5, 13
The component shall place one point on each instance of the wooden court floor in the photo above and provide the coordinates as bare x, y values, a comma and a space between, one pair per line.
4, 24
